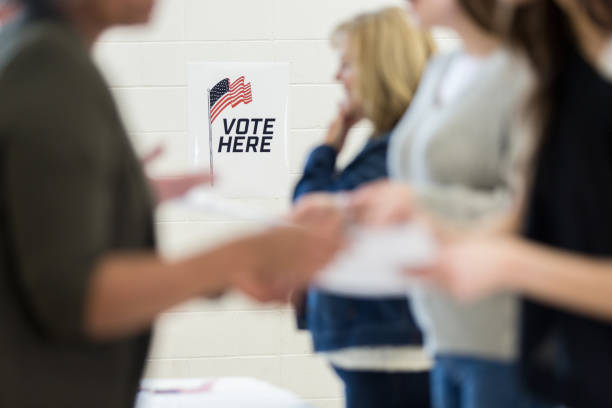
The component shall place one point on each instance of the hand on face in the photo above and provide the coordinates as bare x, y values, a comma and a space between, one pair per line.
287, 258
350, 110
382, 203
471, 269
347, 117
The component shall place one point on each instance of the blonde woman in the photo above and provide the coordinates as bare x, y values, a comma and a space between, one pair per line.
373, 345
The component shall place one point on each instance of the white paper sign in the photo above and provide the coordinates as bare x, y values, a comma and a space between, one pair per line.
238, 126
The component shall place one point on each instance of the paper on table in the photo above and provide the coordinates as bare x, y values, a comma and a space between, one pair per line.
373, 264
224, 393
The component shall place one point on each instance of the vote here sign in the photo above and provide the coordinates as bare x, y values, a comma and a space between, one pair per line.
238, 126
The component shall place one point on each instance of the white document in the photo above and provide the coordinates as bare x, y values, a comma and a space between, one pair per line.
218, 393
375, 262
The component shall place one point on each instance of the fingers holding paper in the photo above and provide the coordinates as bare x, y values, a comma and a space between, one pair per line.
399, 235
469, 266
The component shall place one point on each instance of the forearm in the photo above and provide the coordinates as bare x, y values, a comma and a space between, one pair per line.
505, 223
566, 280
127, 292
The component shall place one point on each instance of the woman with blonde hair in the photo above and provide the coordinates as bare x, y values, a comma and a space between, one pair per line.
452, 156
373, 345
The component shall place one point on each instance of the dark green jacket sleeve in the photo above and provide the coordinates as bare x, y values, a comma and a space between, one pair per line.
58, 178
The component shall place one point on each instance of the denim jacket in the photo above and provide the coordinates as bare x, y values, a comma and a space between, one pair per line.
338, 322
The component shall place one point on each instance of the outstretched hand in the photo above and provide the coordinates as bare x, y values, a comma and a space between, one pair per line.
287, 258
168, 188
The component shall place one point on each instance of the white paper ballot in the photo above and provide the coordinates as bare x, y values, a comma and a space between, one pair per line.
374, 263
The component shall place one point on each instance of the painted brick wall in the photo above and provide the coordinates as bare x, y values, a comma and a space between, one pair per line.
147, 70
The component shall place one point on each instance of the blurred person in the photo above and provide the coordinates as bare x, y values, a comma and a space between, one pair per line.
80, 282
372, 344
452, 152
562, 263
555, 248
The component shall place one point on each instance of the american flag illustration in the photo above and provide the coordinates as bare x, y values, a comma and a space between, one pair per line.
226, 94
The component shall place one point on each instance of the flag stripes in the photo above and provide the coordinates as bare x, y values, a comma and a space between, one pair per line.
238, 93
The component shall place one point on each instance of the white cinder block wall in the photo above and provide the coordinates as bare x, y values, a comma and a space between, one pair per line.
147, 70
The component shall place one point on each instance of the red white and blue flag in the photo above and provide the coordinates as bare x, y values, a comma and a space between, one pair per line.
226, 94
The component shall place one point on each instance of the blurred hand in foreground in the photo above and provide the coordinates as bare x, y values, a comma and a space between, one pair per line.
167, 188
287, 258
381, 203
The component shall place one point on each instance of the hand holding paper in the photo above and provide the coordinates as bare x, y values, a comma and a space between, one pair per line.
287, 254
374, 262
374, 259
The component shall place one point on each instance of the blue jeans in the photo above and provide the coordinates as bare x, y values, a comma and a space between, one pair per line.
373, 389
463, 382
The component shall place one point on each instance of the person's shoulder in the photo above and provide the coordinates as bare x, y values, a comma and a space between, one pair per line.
435, 69
376, 142
514, 70
514, 65
53, 41
47, 77
374, 149
46, 56
444, 57
40, 48
441, 60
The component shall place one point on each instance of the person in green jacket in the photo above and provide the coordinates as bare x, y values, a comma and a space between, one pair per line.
80, 281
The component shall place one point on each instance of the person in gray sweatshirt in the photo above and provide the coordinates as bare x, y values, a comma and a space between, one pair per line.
453, 150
